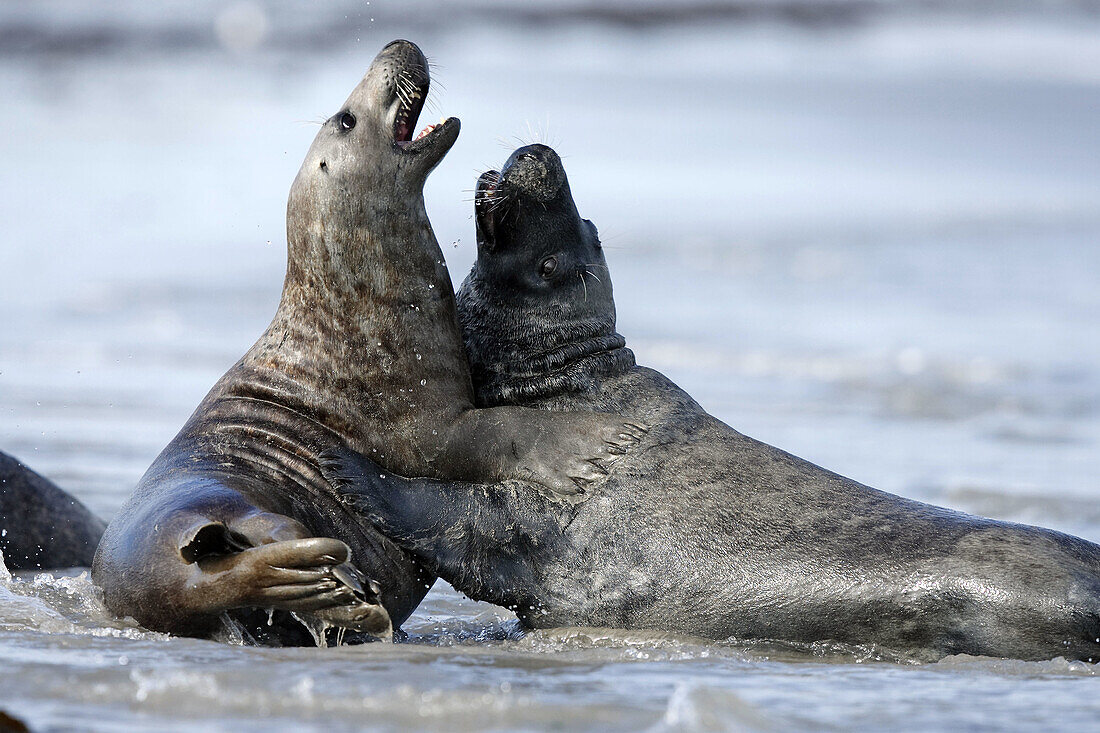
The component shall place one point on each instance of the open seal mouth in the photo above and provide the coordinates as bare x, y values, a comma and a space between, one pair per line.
489, 199
411, 85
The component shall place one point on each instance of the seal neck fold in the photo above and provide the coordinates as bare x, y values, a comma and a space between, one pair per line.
573, 367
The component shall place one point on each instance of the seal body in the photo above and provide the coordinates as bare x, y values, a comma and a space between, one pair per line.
234, 515
41, 526
701, 529
364, 352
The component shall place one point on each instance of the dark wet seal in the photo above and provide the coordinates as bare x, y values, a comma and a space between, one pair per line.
701, 529
364, 352
41, 526
9, 724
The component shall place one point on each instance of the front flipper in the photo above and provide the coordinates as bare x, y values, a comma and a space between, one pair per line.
566, 452
486, 541
250, 565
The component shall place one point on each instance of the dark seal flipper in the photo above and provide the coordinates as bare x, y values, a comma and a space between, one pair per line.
486, 540
41, 526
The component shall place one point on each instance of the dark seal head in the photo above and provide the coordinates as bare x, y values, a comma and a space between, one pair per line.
537, 309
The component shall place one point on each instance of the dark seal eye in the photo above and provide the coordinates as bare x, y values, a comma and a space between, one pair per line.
548, 266
346, 120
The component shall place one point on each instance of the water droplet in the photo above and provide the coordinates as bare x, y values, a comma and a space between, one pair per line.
315, 627
419, 357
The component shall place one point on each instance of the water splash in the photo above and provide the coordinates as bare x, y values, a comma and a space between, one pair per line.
702, 708
232, 632
61, 604
5, 574
317, 629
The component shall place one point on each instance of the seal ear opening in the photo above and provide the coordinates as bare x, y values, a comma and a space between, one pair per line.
211, 539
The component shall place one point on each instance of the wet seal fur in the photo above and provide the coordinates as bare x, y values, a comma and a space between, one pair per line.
702, 530
364, 352
41, 526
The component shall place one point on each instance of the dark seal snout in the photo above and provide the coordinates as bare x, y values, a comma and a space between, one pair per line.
533, 174
535, 170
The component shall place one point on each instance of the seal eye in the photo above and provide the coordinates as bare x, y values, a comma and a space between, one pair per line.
548, 266
346, 120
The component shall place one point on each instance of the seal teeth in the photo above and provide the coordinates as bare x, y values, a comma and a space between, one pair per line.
410, 102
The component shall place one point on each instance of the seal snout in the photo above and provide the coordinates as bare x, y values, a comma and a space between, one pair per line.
535, 170
404, 70
532, 173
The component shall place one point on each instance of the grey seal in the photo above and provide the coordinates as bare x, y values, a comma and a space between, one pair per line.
41, 526
701, 529
364, 351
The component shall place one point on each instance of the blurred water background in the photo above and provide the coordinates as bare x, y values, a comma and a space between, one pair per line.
864, 231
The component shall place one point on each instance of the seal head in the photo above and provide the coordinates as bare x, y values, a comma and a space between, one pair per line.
380, 115
537, 310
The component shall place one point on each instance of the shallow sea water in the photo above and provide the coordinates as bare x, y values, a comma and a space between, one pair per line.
872, 243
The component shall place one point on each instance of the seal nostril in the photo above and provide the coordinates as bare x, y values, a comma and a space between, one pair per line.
324, 165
